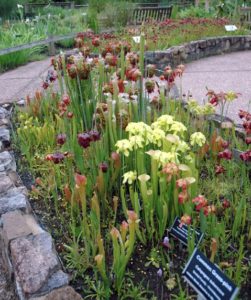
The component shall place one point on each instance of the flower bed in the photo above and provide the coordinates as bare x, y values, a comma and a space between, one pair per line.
116, 160
163, 35
160, 36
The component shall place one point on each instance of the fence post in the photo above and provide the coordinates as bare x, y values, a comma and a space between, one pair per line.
26, 9
72, 5
51, 47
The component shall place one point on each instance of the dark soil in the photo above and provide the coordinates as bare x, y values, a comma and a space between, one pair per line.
7, 291
137, 269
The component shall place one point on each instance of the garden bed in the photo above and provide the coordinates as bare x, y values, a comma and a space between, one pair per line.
170, 33
116, 160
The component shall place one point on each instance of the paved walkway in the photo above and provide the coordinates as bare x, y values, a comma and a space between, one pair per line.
228, 72
17, 83
221, 73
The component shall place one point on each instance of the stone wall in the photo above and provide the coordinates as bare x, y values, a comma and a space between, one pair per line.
197, 49
27, 250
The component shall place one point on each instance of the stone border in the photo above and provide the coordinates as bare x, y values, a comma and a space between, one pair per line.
198, 49
28, 250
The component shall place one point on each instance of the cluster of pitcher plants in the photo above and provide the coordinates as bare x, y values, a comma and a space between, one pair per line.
116, 159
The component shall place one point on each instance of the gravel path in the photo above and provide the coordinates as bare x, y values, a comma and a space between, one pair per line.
229, 72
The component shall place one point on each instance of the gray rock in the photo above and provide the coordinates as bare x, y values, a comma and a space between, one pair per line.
21, 102
14, 199
7, 162
4, 123
5, 183
4, 138
16, 224
7, 106
34, 261
227, 45
4, 113
14, 177
65, 293
57, 280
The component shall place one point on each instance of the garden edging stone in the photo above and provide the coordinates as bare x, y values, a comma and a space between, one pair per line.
27, 250
198, 49
7, 162
4, 138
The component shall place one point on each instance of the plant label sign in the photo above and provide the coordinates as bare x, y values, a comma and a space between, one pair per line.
230, 27
182, 232
207, 279
136, 39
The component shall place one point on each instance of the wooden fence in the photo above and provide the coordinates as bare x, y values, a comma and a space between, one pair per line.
180, 3
31, 8
50, 42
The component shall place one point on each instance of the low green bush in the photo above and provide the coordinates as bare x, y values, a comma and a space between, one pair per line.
196, 12
116, 14
8, 8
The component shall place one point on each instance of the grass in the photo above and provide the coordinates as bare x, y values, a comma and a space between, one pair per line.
46, 23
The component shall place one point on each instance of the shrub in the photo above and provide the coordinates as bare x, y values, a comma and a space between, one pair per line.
195, 12
7, 8
97, 5
92, 19
116, 14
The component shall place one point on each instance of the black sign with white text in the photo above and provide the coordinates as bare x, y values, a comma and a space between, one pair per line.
181, 232
207, 279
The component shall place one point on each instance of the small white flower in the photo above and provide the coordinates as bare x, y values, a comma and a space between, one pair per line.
183, 147
178, 127
144, 177
124, 146
129, 177
197, 138
136, 141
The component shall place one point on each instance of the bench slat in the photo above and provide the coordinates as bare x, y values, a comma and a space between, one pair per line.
144, 14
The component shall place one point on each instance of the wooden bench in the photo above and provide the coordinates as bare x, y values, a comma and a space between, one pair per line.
153, 4
245, 16
144, 14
